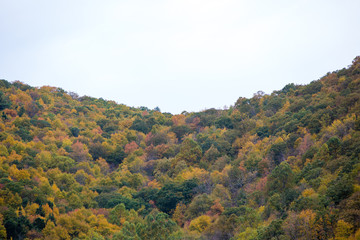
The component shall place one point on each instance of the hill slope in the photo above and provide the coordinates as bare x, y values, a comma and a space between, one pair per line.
279, 166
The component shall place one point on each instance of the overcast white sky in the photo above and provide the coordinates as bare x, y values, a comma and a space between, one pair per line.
176, 54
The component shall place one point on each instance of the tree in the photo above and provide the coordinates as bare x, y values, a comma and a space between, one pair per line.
301, 226
171, 194
199, 205
39, 224
80, 152
280, 179
277, 152
2, 228
16, 227
158, 226
273, 231
128, 231
350, 210
200, 223
180, 131
62, 162
333, 146
119, 215
212, 154
340, 188
179, 214
343, 230
190, 151
235, 179
75, 131
4, 101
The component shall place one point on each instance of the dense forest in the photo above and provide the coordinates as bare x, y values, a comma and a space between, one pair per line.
283, 165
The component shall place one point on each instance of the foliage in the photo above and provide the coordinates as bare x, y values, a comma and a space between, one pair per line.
283, 165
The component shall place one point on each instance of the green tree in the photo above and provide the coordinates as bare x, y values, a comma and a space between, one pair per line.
4, 101
340, 188
280, 179
190, 151
199, 205
158, 226
273, 231
128, 231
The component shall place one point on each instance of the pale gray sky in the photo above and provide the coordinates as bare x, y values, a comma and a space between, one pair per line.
176, 54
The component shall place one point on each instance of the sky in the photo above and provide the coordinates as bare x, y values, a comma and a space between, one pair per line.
178, 55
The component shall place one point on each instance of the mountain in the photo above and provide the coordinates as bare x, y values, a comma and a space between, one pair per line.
278, 166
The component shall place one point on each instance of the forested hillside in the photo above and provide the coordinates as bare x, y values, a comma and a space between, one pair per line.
278, 166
